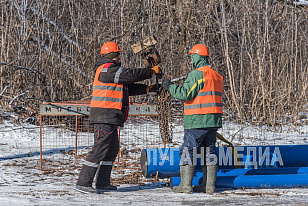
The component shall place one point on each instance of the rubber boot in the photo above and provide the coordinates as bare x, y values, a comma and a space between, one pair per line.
187, 174
103, 178
201, 187
211, 179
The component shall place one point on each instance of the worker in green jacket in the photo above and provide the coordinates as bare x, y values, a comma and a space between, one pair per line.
202, 93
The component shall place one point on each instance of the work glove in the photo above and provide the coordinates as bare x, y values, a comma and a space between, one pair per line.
153, 88
156, 69
158, 72
166, 83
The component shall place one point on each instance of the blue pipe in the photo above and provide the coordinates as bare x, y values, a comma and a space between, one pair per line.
165, 161
261, 171
303, 170
262, 181
252, 181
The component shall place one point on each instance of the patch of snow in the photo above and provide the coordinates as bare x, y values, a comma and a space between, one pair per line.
22, 183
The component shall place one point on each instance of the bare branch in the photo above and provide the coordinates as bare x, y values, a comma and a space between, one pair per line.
20, 67
59, 29
7, 86
11, 102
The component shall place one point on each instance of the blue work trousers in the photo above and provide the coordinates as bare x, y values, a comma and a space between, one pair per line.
198, 138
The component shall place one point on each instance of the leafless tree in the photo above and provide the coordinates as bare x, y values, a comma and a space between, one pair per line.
48, 49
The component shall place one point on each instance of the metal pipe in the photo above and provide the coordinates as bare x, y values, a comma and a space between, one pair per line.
76, 138
41, 150
263, 171
260, 171
166, 161
252, 181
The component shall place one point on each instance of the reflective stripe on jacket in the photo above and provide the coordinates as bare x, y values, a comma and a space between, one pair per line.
209, 99
106, 95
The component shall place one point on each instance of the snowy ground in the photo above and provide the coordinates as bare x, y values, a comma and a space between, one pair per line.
22, 183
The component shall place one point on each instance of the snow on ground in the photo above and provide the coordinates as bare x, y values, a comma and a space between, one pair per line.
22, 183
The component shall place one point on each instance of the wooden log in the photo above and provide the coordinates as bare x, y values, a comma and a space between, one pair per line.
144, 45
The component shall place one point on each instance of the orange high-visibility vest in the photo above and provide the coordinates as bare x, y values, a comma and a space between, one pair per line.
106, 95
209, 99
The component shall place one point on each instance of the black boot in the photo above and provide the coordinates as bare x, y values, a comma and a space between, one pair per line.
86, 176
103, 178
86, 190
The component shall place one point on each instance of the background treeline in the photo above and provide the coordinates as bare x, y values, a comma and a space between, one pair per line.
49, 47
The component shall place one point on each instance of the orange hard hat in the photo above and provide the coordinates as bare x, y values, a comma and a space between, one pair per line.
200, 49
110, 47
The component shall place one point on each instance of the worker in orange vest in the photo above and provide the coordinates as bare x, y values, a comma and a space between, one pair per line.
112, 86
202, 93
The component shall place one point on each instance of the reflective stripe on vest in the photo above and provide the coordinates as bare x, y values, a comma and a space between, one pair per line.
106, 95
209, 98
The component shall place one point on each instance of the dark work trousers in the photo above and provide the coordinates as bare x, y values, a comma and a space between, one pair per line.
104, 152
199, 138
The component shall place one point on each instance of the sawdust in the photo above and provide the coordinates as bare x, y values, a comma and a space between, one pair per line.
134, 178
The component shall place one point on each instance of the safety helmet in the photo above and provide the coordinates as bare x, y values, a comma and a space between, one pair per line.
110, 47
200, 49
